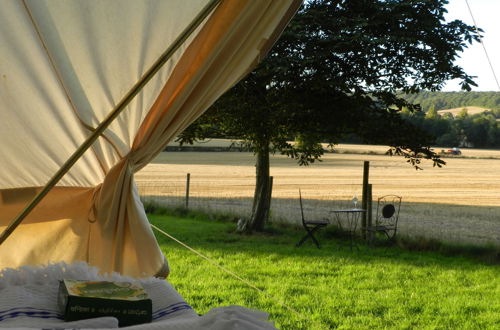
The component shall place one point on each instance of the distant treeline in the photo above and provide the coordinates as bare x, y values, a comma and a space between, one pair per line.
462, 130
480, 130
450, 100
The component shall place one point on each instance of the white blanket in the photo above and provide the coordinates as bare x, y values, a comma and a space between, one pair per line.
28, 299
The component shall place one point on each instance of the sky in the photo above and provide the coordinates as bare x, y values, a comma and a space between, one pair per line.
474, 61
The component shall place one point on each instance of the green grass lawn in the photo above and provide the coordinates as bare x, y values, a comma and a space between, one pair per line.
333, 287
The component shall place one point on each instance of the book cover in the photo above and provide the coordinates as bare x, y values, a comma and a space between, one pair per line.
126, 301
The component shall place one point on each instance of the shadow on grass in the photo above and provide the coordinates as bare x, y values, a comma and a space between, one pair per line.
469, 225
220, 238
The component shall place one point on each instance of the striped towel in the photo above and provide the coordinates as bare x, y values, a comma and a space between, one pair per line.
28, 300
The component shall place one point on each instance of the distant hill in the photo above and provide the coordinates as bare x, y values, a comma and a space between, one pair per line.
471, 110
459, 100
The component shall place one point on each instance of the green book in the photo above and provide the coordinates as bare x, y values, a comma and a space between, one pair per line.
126, 301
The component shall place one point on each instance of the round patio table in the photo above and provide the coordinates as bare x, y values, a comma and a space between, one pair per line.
347, 220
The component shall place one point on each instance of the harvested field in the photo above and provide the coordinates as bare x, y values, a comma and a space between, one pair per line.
458, 203
471, 110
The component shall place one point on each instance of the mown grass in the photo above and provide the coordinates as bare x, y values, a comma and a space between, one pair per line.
333, 287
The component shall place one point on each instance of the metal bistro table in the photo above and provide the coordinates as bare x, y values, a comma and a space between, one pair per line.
347, 220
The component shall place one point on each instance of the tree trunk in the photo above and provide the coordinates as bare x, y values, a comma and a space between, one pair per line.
261, 199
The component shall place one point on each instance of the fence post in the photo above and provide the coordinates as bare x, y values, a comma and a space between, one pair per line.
188, 179
369, 210
364, 203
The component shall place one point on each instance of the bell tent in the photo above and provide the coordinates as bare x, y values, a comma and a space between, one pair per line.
90, 92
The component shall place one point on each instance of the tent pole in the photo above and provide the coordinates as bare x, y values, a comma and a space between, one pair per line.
209, 7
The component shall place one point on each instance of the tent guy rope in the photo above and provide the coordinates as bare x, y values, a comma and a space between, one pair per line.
482, 44
233, 274
204, 13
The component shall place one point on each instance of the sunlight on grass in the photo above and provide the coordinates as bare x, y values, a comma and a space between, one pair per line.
332, 287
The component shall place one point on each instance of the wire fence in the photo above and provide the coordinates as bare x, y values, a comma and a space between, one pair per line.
462, 224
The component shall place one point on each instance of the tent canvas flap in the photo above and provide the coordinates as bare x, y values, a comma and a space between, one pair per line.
68, 64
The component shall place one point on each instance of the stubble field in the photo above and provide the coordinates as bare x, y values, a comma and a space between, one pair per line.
458, 203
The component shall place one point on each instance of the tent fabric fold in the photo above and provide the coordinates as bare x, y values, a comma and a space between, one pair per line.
95, 214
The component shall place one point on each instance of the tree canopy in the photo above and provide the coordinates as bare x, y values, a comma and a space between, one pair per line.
339, 68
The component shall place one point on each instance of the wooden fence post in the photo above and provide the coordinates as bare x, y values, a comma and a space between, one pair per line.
364, 203
188, 179
369, 210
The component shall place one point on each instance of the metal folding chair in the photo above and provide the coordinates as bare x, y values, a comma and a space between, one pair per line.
311, 226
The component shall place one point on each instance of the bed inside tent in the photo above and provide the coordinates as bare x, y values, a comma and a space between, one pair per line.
90, 92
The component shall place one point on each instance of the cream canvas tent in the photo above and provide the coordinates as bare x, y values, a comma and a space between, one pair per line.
65, 66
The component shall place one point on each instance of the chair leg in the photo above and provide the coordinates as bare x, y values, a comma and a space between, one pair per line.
302, 240
310, 234
371, 237
390, 238
374, 237
314, 238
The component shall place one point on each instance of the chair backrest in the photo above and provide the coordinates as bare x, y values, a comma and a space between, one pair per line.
388, 207
301, 208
